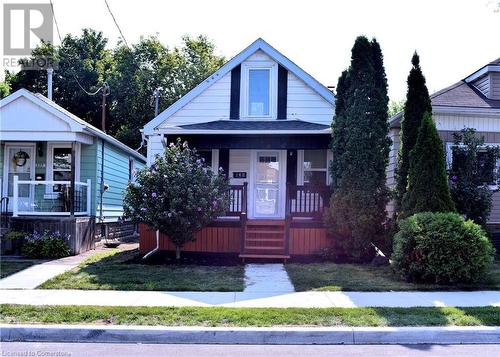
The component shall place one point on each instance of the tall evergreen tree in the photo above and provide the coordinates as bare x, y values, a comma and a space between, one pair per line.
417, 104
428, 189
360, 150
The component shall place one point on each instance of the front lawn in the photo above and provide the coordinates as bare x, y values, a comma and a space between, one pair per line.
9, 267
220, 316
352, 277
123, 270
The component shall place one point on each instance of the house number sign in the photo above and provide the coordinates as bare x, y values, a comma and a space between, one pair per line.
239, 175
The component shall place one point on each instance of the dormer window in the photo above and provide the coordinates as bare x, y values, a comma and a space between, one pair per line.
258, 88
259, 92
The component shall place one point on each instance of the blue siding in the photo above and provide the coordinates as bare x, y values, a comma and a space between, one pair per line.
116, 176
88, 170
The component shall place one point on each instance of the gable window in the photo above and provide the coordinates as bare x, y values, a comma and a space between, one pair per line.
259, 92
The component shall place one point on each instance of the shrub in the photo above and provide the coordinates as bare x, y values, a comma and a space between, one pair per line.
14, 235
46, 245
441, 248
178, 195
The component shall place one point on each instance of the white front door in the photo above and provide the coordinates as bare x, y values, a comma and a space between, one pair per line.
268, 184
19, 160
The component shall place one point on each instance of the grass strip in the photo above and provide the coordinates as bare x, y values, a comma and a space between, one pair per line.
9, 267
241, 317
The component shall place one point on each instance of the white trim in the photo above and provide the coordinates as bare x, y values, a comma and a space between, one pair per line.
245, 88
482, 71
259, 44
282, 184
465, 110
215, 160
168, 131
49, 171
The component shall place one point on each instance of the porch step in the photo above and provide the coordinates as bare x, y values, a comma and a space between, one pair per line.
265, 222
264, 256
256, 231
263, 248
264, 240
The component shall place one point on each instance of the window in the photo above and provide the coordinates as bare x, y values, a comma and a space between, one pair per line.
487, 169
259, 92
315, 167
206, 155
61, 164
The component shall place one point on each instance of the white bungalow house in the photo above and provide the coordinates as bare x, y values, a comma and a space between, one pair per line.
266, 122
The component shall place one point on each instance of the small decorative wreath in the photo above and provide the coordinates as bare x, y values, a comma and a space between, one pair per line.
20, 158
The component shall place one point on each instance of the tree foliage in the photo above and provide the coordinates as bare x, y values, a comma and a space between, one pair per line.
132, 73
427, 180
472, 172
178, 195
417, 104
360, 148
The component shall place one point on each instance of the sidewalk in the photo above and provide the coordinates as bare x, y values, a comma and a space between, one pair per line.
35, 275
309, 299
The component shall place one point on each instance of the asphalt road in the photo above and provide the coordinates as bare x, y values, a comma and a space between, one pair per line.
126, 350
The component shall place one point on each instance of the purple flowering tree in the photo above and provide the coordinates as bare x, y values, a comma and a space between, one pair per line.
178, 195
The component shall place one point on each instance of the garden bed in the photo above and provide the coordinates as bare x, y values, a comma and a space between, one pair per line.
125, 270
354, 277
220, 316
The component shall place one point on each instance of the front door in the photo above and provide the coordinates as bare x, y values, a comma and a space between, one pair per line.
19, 160
268, 180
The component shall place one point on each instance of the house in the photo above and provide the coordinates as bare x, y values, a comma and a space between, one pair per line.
44, 150
266, 122
473, 102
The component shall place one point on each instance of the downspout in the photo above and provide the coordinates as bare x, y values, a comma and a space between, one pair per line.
157, 245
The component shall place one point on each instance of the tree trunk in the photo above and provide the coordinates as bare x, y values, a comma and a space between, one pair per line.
177, 252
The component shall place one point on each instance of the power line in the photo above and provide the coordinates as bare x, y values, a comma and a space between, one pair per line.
116, 23
71, 69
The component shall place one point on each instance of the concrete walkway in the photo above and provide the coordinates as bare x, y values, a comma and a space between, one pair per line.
268, 278
310, 299
37, 274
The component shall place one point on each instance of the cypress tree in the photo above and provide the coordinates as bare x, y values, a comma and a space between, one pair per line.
417, 104
360, 152
428, 189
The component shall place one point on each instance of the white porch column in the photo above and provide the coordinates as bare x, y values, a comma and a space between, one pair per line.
15, 192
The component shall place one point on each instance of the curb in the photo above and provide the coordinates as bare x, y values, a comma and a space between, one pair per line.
250, 335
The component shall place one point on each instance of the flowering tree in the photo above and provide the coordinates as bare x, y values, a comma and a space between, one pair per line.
178, 195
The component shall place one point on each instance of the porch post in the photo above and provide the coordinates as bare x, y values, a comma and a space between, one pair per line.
72, 182
89, 196
15, 193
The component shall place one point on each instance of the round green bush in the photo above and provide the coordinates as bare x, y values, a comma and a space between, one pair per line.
441, 248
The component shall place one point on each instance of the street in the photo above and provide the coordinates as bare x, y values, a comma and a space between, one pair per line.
125, 350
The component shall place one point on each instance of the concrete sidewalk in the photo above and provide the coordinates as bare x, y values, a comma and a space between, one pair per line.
35, 275
251, 335
309, 299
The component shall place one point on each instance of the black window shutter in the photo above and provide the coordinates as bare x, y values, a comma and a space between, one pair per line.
282, 91
224, 160
234, 111
291, 170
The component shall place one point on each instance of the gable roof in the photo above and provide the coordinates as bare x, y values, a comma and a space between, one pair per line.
75, 123
461, 95
258, 44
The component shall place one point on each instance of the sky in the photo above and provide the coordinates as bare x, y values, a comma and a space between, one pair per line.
452, 37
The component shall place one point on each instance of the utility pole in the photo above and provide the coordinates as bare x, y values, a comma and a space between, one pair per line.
156, 94
105, 93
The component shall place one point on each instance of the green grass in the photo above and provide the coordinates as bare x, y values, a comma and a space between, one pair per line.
113, 270
352, 277
220, 316
9, 267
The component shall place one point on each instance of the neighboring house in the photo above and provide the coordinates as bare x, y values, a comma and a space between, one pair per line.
473, 102
44, 148
266, 122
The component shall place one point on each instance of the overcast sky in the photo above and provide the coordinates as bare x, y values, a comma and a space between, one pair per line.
453, 37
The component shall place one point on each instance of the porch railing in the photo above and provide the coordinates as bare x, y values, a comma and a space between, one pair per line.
307, 200
50, 198
238, 200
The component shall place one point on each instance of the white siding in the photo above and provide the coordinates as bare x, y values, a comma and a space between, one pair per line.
393, 157
239, 161
483, 84
457, 122
495, 85
306, 104
155, 147
211, 104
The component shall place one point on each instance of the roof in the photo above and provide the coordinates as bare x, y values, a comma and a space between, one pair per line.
461, 95
77, 124
258, 44
299, 125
